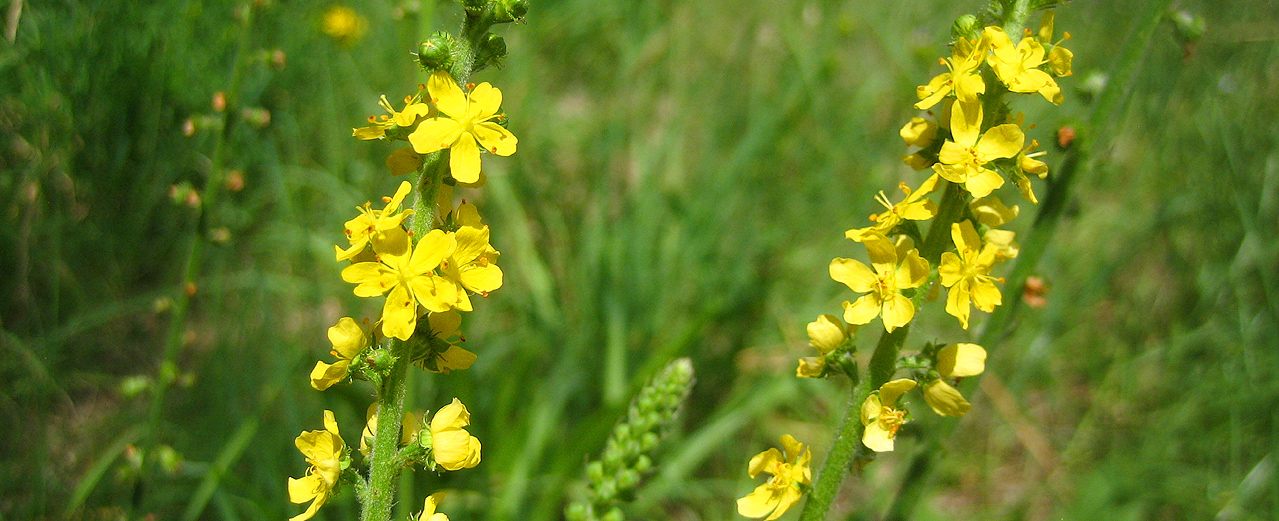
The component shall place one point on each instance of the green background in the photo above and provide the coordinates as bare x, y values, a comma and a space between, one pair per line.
685, 173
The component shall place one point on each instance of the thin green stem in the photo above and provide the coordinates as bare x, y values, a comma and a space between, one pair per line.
847, 439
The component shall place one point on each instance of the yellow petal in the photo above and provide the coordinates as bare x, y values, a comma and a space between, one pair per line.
434, 134
863, 310
961, 360
347, 338
913, 271
481, 279
810, 367
434, 247
485, 100
446, 95
965, 236
957, 303
877, 438
758, 503
399, 314
936, 89
324, 375
791, 447
854, 274
986, 295
785, 500
763, 461
951, 269
992, 212
965, 123
1002, 141
456, 359
826, 333
894, 389
944, 399
464, 159
983, 182
496, 139
367, 133
870, 409
919, 132
898, 311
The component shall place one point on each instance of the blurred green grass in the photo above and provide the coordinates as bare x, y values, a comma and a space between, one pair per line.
685, 174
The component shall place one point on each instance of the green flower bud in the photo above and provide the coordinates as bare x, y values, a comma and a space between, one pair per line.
643, 464
507, 11
491, 51
474, 6
966, 27
613, 515
436, 53
577, 512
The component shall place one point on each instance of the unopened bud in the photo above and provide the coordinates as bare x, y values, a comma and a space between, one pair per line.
966, 27
491, 51
436, 53
506, 11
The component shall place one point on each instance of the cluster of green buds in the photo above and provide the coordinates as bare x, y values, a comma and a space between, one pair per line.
443, 51
627, 456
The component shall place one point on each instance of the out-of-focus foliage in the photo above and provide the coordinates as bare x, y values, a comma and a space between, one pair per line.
686, 172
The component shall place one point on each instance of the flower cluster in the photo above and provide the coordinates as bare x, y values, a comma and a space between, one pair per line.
426, 262
972, 145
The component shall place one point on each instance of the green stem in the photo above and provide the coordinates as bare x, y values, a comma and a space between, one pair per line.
847, 439
1015, 18
384, 465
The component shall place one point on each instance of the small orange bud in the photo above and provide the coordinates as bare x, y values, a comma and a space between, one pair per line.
219, 101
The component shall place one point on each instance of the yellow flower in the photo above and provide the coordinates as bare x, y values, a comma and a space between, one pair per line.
963, 160
963, 79
883, 285
409, 274
453, 447
1059, 58
954, 361
326, 452
428, 509
348, 339
992, 212
914, 207
444, 333
408, 429
371, 224
343, 24
1018, 66
967, 273
790, 471
918, 132
827, 334
881, 416
472, 266
468, 121
414, 110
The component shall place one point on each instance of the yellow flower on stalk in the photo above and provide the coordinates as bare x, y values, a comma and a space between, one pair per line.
469, 122
967, 273
371, 224
428, 509
441, 359
881, 416
408, 430
1018, 66
963, 160
326, 452
962, 79
472, 266
1027, 163
452, 446
408, 273
893, 271
954, 361
348, 339
414, 110
790, 470
914, 207
1059, 58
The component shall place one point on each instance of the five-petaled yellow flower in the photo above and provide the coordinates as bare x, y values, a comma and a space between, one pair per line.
1018, 66
468, 122
408, 272
790, 471
881, 416
371, 224
453, 447
326, 452
953, 361
894, 271
964, 160
914, 207
967, 273
962, 79
414, 110
472, 266
348, 339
